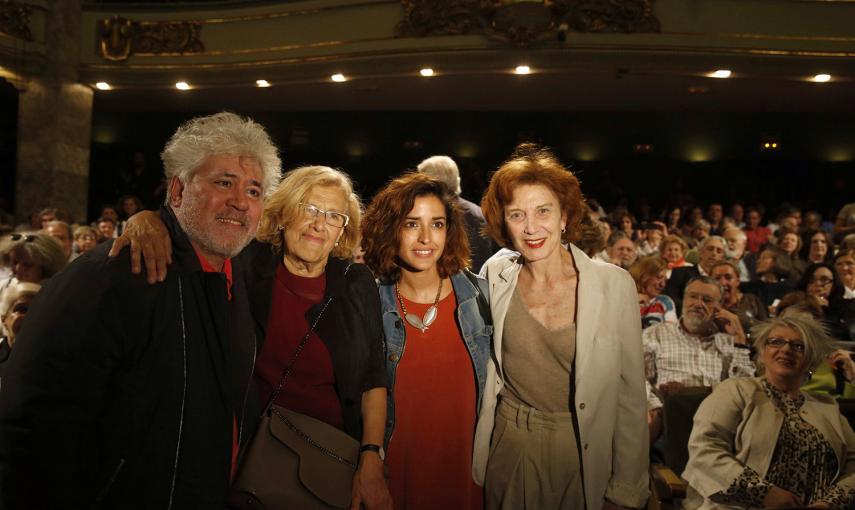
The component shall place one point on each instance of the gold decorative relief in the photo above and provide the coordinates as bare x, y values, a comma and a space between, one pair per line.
525, 22
607, 15
15, 20
120, 38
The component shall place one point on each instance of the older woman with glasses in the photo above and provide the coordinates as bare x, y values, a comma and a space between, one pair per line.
762, 442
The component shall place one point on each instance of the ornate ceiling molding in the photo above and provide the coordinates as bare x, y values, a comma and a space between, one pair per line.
15, 20
525, 22
119, 38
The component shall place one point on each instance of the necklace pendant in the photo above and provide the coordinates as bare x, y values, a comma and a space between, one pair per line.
415, 321
430, 316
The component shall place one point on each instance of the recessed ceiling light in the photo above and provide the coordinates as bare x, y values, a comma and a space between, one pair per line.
262, 83
822, 78
721, 73
427, 71
522, 70
182, 85
103, 85
338, 78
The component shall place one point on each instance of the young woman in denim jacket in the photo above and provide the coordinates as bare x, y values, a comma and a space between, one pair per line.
436, 320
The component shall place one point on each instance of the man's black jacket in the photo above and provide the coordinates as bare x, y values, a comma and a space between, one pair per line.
120, 394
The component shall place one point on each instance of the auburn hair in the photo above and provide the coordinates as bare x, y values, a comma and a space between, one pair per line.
386, 214
532, 164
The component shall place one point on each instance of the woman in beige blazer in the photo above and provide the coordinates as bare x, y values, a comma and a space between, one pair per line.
763, 443
563, 417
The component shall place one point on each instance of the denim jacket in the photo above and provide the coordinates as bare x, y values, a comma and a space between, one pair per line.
476, 333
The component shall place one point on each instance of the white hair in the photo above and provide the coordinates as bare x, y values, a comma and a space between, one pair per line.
444, 169
220, 133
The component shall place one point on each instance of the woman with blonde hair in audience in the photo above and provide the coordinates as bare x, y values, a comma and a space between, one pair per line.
673, 250
649, 276
844, 263
563, 421
437, 326
762, 442
31, 257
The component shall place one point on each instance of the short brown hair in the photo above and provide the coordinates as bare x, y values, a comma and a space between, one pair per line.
729, 263
381, 226
531, 164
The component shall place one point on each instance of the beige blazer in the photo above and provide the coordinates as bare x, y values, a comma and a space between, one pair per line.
609, 402
738, 426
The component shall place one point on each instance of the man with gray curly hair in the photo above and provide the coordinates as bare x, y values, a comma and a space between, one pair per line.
121, 394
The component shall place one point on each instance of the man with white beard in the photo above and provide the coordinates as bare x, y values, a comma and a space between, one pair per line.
707, 346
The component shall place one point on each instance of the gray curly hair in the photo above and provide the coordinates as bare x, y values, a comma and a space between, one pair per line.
220, 133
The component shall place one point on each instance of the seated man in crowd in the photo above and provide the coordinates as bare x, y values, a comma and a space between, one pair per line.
745, 261
705, 347
710, 251
121, 394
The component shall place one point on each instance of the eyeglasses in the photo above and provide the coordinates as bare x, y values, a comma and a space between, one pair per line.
822, 280
28, 238
779, 343
333, 219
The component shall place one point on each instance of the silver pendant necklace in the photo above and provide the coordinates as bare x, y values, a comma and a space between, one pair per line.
420, 323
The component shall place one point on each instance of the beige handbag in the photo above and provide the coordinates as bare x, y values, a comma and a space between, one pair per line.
295, 461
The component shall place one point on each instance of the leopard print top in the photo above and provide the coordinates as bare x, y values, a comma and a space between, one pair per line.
803, 463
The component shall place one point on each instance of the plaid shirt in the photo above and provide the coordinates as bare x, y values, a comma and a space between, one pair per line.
671, 354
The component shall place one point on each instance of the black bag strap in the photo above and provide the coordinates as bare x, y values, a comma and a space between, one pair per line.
287, 370
482, 293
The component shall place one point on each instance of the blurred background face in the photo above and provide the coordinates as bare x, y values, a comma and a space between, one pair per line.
24, 269
820, 283
735, 244
712, 252
818, 246
14, 318
737, 212
626, 224
85, 242
846, 269
654, 285
623, 253
715, 212
766, 262
753, 219
728, 279
789, 243
674, 216
672, 252
105, 228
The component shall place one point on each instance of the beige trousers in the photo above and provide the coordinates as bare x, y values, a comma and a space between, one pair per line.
534, 461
